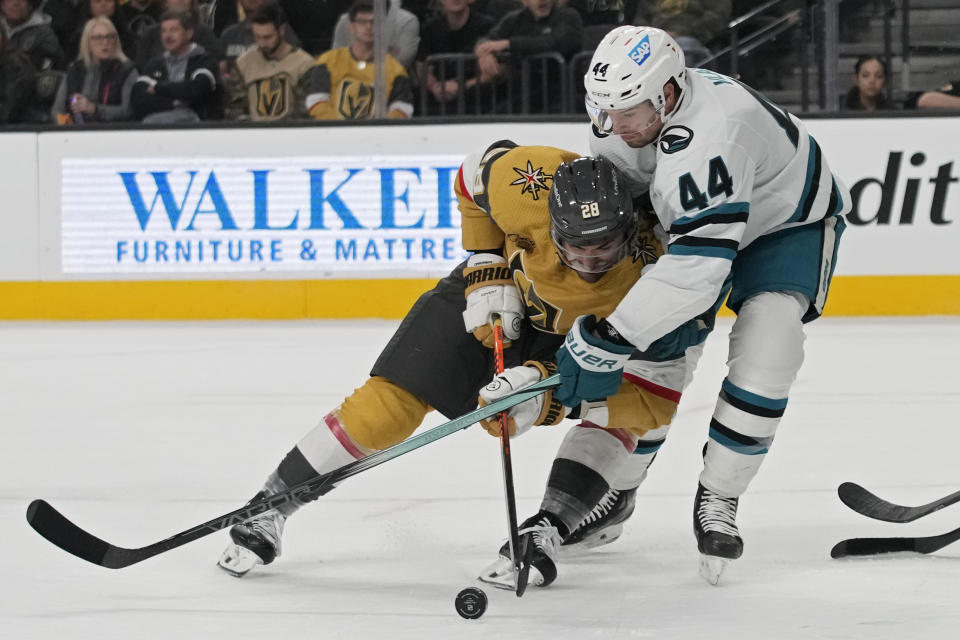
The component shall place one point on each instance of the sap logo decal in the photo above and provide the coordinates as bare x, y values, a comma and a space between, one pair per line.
641, 51
676, 138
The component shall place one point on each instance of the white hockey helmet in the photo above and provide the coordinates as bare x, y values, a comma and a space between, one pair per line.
631, 65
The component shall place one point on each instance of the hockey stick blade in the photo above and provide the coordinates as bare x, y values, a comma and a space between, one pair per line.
523, 575
866, 503
60, 531
878, 546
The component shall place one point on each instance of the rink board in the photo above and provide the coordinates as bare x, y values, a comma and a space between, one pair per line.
293, 299
349, 222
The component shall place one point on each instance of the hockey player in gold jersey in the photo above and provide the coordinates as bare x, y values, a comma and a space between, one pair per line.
340, 85
537, 272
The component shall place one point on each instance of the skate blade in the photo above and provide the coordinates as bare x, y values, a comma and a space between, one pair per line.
501, 575
238, 561
712, 567
598, 539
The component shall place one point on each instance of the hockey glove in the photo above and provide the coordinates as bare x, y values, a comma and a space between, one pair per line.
542, 409
590, 367
490, 291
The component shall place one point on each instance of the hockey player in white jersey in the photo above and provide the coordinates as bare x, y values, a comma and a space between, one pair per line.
748, 199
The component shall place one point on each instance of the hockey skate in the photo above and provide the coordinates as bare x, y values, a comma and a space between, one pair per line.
715, 526
256, 541
603, 524
541, 539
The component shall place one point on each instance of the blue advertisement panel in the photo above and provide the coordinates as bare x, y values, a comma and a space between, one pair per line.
328, 215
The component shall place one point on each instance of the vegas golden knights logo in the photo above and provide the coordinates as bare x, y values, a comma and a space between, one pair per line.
356, 100
541, 313
272, 97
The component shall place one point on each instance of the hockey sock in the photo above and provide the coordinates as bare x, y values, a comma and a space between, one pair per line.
375, 416
766, 351
586, 464
634, 470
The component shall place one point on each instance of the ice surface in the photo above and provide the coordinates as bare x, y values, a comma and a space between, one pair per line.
140, 430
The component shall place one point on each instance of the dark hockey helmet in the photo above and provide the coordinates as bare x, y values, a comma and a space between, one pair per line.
592, 221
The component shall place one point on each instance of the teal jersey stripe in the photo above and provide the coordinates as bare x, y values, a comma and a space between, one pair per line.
720, 209
761, 447
702, 250
839, 196
812, 165
775, 404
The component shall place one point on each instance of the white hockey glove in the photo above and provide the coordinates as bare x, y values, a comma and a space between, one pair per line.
542, 409
489, 291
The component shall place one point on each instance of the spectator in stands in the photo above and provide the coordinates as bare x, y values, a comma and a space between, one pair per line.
94, 9
542, 26
238, 38
401, 31
150, 45
870, 81
340, 84
65, 18
315, 19
496, 9
455, 30
694, 24
181, 84
269, 80
27, 30
946, 97
608, 13
98, 83
16, 83
140, 16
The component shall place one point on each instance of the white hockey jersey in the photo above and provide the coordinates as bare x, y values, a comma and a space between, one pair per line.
730, 166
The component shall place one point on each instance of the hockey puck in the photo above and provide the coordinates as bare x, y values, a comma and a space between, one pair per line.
471, 603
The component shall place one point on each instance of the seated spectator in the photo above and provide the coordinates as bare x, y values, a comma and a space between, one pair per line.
150, 45
28, 31
64, 19
140, 16
946, 97
98, 83
315, 21
693, 23
455, 30
237, 39
870, 80
401, 30
599, 12
340, 84
542, 26
496, 8
268, 82
95, 9
16, 83
181, 84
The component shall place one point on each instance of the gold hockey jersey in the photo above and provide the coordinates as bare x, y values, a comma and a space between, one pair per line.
340, 87
273, 89
502, 196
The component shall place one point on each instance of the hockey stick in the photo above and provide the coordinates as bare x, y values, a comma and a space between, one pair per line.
520, 570
876, 546
56, 528
872, 506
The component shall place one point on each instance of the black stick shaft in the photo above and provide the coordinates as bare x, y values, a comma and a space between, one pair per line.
507, 465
